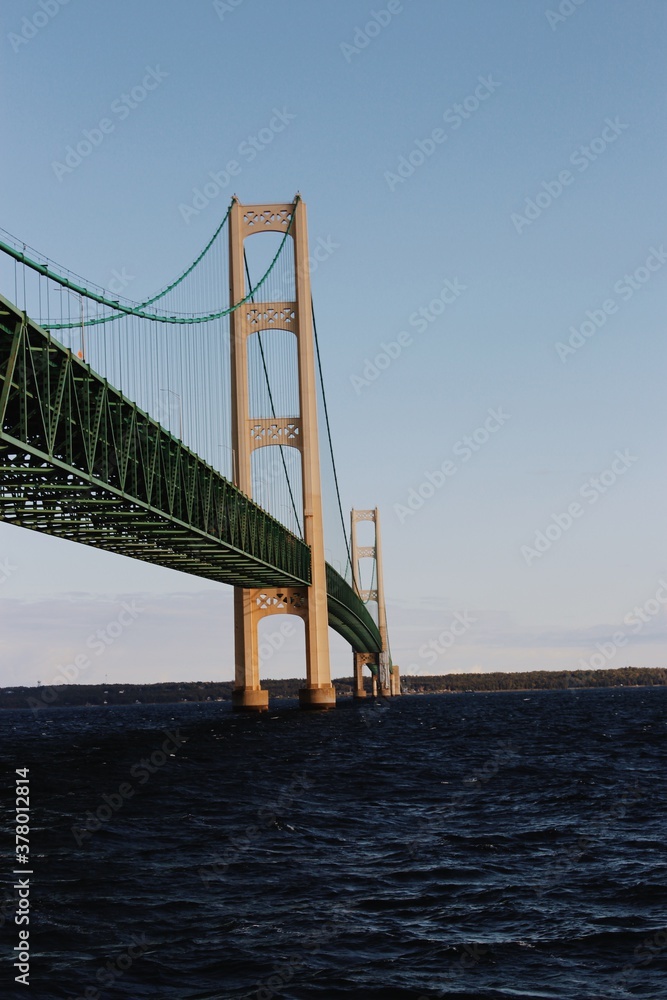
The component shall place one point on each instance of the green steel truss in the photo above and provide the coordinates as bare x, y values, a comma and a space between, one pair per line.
79, 460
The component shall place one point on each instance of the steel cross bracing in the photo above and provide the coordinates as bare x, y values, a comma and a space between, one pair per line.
79, 460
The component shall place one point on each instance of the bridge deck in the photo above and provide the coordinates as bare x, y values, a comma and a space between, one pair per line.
81, 461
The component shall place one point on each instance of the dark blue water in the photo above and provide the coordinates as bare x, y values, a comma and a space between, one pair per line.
468, 846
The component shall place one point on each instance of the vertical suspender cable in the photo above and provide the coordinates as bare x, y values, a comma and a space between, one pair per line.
326, 418
273, 409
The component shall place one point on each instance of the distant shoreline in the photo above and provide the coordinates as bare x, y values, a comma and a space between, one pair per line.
535, 690
174, 692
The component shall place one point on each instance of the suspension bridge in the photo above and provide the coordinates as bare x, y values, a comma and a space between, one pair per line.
182, 430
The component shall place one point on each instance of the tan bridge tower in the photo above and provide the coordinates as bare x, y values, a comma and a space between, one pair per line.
387, 673
249, 433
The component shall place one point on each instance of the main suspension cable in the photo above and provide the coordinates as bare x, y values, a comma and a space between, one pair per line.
136, 309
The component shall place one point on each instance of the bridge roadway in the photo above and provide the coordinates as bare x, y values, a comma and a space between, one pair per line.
79, 460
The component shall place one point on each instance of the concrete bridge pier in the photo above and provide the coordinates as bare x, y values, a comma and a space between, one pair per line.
247, 694
251, 431
359, 661
383, 680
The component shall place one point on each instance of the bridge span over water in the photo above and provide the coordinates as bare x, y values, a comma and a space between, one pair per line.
91, 450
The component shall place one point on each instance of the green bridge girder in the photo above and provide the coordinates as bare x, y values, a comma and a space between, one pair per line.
79, 460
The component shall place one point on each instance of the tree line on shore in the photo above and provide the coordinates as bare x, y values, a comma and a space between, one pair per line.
537, 680
171, 692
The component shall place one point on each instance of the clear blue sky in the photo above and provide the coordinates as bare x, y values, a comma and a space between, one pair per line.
578, 96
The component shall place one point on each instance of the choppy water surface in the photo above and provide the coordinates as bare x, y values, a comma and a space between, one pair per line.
474, 846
